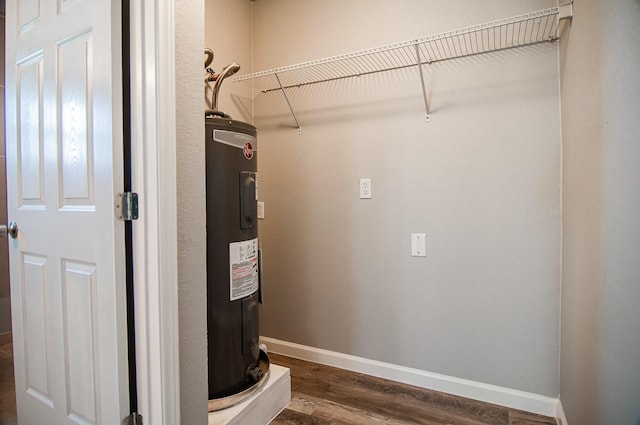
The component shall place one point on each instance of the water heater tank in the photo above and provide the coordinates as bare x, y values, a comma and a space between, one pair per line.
233, 270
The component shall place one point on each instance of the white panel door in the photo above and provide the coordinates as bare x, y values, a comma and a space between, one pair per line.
64, 164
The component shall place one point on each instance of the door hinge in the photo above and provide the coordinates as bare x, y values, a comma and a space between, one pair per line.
126, 206
134, 419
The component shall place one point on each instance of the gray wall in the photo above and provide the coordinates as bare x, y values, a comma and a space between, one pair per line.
228, 33
600, 362
482, 180
189, 33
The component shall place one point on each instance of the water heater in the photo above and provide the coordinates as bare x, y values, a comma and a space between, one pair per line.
233, 258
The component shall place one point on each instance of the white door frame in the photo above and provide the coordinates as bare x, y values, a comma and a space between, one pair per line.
155, 232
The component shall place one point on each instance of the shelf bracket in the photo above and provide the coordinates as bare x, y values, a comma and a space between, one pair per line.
565, 11
288, 103
424, 90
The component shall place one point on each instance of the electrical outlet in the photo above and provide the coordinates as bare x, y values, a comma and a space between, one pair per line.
365, 188
418, 245
261, 210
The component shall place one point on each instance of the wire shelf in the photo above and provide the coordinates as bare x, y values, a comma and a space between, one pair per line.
508, 33
518, 31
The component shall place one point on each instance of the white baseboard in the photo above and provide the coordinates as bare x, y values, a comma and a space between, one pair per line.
561, 418
507, 397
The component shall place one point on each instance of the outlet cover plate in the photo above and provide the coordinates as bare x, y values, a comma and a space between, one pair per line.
365, 188
261, 210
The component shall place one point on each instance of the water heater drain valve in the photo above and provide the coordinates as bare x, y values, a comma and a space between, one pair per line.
255, 373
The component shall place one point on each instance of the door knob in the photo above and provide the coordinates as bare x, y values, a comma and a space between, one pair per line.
11, 229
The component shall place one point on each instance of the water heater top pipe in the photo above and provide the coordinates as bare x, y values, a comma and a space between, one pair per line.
227, 71
209, 53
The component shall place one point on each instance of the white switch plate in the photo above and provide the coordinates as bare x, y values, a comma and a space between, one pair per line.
418, 245
365, 188
261, 209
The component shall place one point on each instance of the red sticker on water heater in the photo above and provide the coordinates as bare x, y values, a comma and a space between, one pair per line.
248, 150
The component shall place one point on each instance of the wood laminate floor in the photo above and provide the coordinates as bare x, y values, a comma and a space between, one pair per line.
323, 395
7, 386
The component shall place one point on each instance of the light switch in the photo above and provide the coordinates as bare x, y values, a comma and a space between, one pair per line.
418, 245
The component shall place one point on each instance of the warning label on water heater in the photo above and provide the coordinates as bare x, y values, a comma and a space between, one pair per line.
243, 268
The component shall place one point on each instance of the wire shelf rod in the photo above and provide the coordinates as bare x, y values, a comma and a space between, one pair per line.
364, 73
